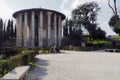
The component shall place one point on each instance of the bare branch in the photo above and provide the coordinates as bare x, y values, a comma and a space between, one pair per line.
111, 7
115, 6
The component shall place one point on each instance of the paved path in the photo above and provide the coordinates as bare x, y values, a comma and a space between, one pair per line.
72, 65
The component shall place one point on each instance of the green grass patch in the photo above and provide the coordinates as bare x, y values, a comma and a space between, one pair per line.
97, 42
117, 37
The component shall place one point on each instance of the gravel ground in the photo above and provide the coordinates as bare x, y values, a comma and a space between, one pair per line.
73, 65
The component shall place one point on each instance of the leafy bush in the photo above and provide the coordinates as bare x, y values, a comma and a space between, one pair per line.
22, 58
117, 37
72, 39
117, 25
99, 43
90, 46
4, 67
44, 51
8, 52
74, 48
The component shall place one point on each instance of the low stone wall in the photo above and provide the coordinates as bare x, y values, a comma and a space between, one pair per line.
19, 73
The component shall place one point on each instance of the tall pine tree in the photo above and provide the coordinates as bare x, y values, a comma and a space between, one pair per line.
65, 28
8, 29
11, 29
1, 28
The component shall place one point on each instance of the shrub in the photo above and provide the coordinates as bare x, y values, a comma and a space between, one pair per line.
74, 48
8, 52
72, 39
99, 43
22, 58
44, 51
4, 67
117, 37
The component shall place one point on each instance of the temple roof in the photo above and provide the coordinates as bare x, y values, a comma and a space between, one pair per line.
37, 9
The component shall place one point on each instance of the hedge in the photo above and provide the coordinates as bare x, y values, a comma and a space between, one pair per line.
74, 48
22, 58
4, 67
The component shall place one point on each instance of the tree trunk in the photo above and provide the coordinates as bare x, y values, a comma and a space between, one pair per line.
115, 10
111, 7
115, 6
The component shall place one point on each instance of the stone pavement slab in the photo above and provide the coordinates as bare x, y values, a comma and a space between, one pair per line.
74, 65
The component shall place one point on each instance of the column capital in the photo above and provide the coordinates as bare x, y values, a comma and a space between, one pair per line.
60, 16
41, 11
49, 13
41, 19
19, 15
25, 17
25, 13
33, 13
60, 19
55, 15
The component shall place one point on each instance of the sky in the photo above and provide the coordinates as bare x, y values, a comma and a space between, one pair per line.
8, 7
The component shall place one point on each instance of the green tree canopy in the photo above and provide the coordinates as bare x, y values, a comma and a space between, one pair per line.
1, 28
86, 15
65, 28
114, 20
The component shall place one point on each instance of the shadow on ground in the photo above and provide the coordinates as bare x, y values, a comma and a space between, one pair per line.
37, 71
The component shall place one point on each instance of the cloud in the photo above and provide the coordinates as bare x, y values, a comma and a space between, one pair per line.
64, 7
75, 3
64, 3
68, 5
103, 16
66, 12
6, 12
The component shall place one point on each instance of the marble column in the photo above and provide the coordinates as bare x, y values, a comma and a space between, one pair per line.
19, 31
32, 29
49, 28
55, 29
25, 30
41, 29
60, 30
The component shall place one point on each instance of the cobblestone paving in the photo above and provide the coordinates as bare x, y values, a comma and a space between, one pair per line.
72, 65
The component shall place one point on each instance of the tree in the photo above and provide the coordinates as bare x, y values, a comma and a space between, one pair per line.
70, 24
1, 28
114, 9
4, 31
8, 29
65, 28
86, 15
1, 31
15, 31
99, 34
72, 39
114, 20
11, 29
1, 24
